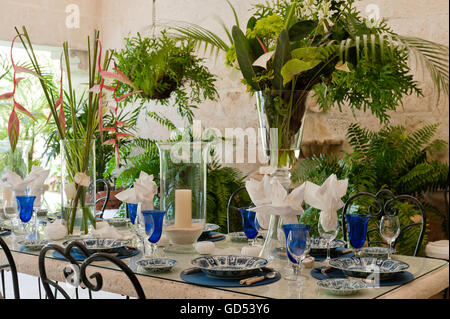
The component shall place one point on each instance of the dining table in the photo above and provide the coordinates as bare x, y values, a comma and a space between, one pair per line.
431, 276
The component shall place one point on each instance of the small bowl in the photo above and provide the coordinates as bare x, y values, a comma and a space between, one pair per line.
33, 244
319, 246
376, 252
238, 237
341, 286
157, 264
117, 222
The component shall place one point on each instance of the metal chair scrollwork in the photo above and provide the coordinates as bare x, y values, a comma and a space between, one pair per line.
232, 208
75, 273
383, 203
10, 265
106, 197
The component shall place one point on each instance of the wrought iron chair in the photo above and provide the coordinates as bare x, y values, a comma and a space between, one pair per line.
383, 203
106, 197
11, 265
234, 207
75, 273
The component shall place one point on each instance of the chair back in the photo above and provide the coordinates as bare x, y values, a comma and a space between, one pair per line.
75, 272
11, 265
382, 203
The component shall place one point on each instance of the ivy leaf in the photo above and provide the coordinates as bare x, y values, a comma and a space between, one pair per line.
296, 66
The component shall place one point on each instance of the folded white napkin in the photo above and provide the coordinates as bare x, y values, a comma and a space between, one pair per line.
143, 192
37, 186
34, 181
271, 198
105, 230
327, 198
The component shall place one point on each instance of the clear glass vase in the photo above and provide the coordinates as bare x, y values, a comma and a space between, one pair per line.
78, 185
183, 192
281, 116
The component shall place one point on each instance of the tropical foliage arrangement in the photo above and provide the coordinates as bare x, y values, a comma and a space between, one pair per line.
289, 48
77, 136
391, 158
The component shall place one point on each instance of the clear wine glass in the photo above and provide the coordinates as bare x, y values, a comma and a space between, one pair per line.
142, 229
329, 235
298, 245
389, 230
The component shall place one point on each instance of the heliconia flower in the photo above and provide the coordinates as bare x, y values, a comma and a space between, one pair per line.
123, 135
13, 129
262, 45
23, 110
6, 96
82, 179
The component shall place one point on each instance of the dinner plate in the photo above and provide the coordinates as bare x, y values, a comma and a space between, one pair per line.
157, 264
33, 244
319, 246
107, 245
362, 267
117, 222
341, 286
378, 252
229, 266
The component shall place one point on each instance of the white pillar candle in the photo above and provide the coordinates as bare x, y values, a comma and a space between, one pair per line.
183, 208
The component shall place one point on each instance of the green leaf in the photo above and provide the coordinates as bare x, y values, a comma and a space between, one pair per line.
301, 30
296, 66
282, 55
244, 56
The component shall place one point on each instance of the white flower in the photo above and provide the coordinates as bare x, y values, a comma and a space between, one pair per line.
70, 190
82, 179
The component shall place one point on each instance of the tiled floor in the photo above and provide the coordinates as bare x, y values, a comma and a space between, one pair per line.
29, 289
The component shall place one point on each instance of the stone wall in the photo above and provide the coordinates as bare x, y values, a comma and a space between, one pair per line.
45, 20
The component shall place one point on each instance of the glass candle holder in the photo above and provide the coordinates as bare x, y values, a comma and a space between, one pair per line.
183, 192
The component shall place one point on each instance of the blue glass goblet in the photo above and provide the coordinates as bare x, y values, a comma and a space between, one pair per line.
298, 245
132, 211
25, 207
153, 227
25, 211
357, 230
249, 224
287, 228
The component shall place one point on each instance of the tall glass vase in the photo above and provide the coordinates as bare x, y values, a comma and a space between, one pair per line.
281, 116
183, 192
78, 185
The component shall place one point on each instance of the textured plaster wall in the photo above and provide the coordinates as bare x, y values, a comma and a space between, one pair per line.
45, 20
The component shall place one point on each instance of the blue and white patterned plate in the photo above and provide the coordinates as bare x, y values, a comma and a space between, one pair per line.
377, 252
341, 286
157, 264
362, 267
106, 245
319, 246
210, 227
33, 244
229, 266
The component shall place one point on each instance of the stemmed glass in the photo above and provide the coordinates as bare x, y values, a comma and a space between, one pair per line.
298, 245
25, 210
249, 223
132, 211
357, 230
37, 206
290, 270
142, 228
389, 230
329, 235
153, 227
